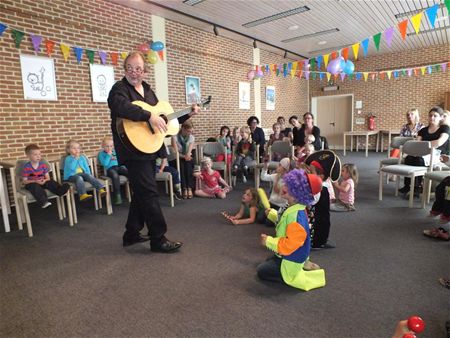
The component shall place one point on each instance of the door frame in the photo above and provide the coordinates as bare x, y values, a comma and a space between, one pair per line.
329, 97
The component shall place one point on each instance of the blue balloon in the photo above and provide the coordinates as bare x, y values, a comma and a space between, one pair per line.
341, 63
349, 67
157, 46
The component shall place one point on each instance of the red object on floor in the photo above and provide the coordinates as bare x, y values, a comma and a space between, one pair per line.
416, 324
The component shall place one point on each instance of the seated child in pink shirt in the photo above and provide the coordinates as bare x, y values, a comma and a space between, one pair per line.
209, 180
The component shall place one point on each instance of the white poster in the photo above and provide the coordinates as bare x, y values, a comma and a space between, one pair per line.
270, 98
38, 78
244, 95
102, 79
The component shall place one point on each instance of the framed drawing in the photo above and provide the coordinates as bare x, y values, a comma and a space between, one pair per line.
102, 79
270, 98
244, 95
38, 78
193, 93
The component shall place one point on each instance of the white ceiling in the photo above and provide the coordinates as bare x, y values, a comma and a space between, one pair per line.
355, 20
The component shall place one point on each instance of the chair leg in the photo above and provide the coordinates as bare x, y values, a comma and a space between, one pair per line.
397, 184
128, 191
171, 192
98, 204
18, 213
74, 207
58, 206
380, 186
411, 192
69, 208
27, 216
109, 210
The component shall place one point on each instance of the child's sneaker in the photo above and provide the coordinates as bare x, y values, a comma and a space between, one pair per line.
102, 192
46, 205
64, 189
244, 179
117, 199
177, 195
84, 197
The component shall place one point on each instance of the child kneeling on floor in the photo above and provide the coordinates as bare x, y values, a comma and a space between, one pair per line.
209, 180
291, 243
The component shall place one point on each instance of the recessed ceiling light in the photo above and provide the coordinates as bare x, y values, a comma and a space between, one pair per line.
293, 28
323, 42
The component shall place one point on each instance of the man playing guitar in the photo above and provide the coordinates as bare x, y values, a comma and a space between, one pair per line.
144, 206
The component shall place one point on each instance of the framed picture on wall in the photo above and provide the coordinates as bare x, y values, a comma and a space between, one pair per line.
38, 78
102, 79
193, 93
244, 95
270, 98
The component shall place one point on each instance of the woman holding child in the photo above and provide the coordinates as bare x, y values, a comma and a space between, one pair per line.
308, 128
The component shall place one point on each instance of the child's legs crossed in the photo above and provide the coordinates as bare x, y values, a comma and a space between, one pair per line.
38, 193
270, 270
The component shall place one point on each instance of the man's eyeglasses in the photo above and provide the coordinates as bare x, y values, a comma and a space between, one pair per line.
137, 70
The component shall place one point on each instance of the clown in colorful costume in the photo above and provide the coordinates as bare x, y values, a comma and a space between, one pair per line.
291, 243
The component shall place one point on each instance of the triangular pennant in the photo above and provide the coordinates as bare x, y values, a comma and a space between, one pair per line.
409, 71
345, 53
402, 26
334, 55
376, 40
294, 67
328, 76
65, 51
437, 68
36, 41
358, 76
447, 4
312, 63
365, 45
284, 70
389, 74
267, 71
313, 75
299, 74
326, 57
78, 53
382, 74
416, 19
289, 66
342, 76
355, 49
350, 76
431, 13
307, 75
114, 57
161, 54
17, 36
388, 33
372, 76
292, 74
319, 61
49, 46
403, 72
306, 64
321, 76
366, 75
90, 54
102, 55
422, 70
443, 67
278, 71
2, 28
299, 65
416, 71
395, 73
335, 76
123, 55
429, 70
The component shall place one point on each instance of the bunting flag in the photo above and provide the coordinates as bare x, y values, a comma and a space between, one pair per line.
345, 53
321, 76
123, 55
307, 75
17, 36
429, 69
333, 55
388, 33
358, 76
431, 14
313, 75
416, 71
114, 57
416, 19
381, 75
355, 49
36, 41
78, 53
350, 76
328, 76
65, 49
447, 4
402, 26
443, 66
366, 75
312, 63
365, 45
2, 28
342, 76
326, 57
409, 72
372, 76
102, 56
294, 67
422, 70
49, 46
90, 55
319, 61
299, 74
161, 54
284, 70
376, 40
389, 74
395, 73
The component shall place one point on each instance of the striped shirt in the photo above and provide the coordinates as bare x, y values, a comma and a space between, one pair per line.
35, 174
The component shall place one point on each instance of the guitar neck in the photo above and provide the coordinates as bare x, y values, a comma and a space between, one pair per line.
179, 113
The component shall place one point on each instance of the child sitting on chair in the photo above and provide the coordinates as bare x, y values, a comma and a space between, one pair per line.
36, 177
291, 243
209, 180
163, 166
108, 159
76, 170
249, 208
244, 154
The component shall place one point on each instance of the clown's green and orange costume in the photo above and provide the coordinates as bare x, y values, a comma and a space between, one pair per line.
292, 245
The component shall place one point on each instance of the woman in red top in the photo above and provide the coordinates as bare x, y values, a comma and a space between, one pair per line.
209, 180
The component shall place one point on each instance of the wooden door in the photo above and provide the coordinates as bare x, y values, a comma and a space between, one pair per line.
334, 117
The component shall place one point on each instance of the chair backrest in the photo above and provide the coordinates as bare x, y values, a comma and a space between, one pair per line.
282, 147
18, 172
398, 141
212, 149
417, 148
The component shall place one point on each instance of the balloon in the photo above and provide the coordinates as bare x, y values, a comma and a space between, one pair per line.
349, 67
157, 45
341, 63
152, 57
259, 74
251, 75
143, 47
334, 66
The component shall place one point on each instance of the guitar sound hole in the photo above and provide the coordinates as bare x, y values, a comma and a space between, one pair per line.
164, 117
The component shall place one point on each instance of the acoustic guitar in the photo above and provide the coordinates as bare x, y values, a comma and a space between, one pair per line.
141, 136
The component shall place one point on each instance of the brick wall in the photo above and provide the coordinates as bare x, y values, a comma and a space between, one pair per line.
219, 62
389, 100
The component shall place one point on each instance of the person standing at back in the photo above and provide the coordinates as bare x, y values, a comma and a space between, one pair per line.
144, 206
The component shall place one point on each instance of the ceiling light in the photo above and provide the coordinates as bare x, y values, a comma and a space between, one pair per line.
293, 28
312, 35
192, 2
410, 13
429, 30
276, 16
337, 48
321, 43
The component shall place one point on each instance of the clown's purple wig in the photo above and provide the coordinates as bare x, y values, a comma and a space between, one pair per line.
298, 187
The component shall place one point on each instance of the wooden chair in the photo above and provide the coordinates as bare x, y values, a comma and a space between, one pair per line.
22, 197
428, 179
172, 155
413, 148
98, 168
396, 143
279, 147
